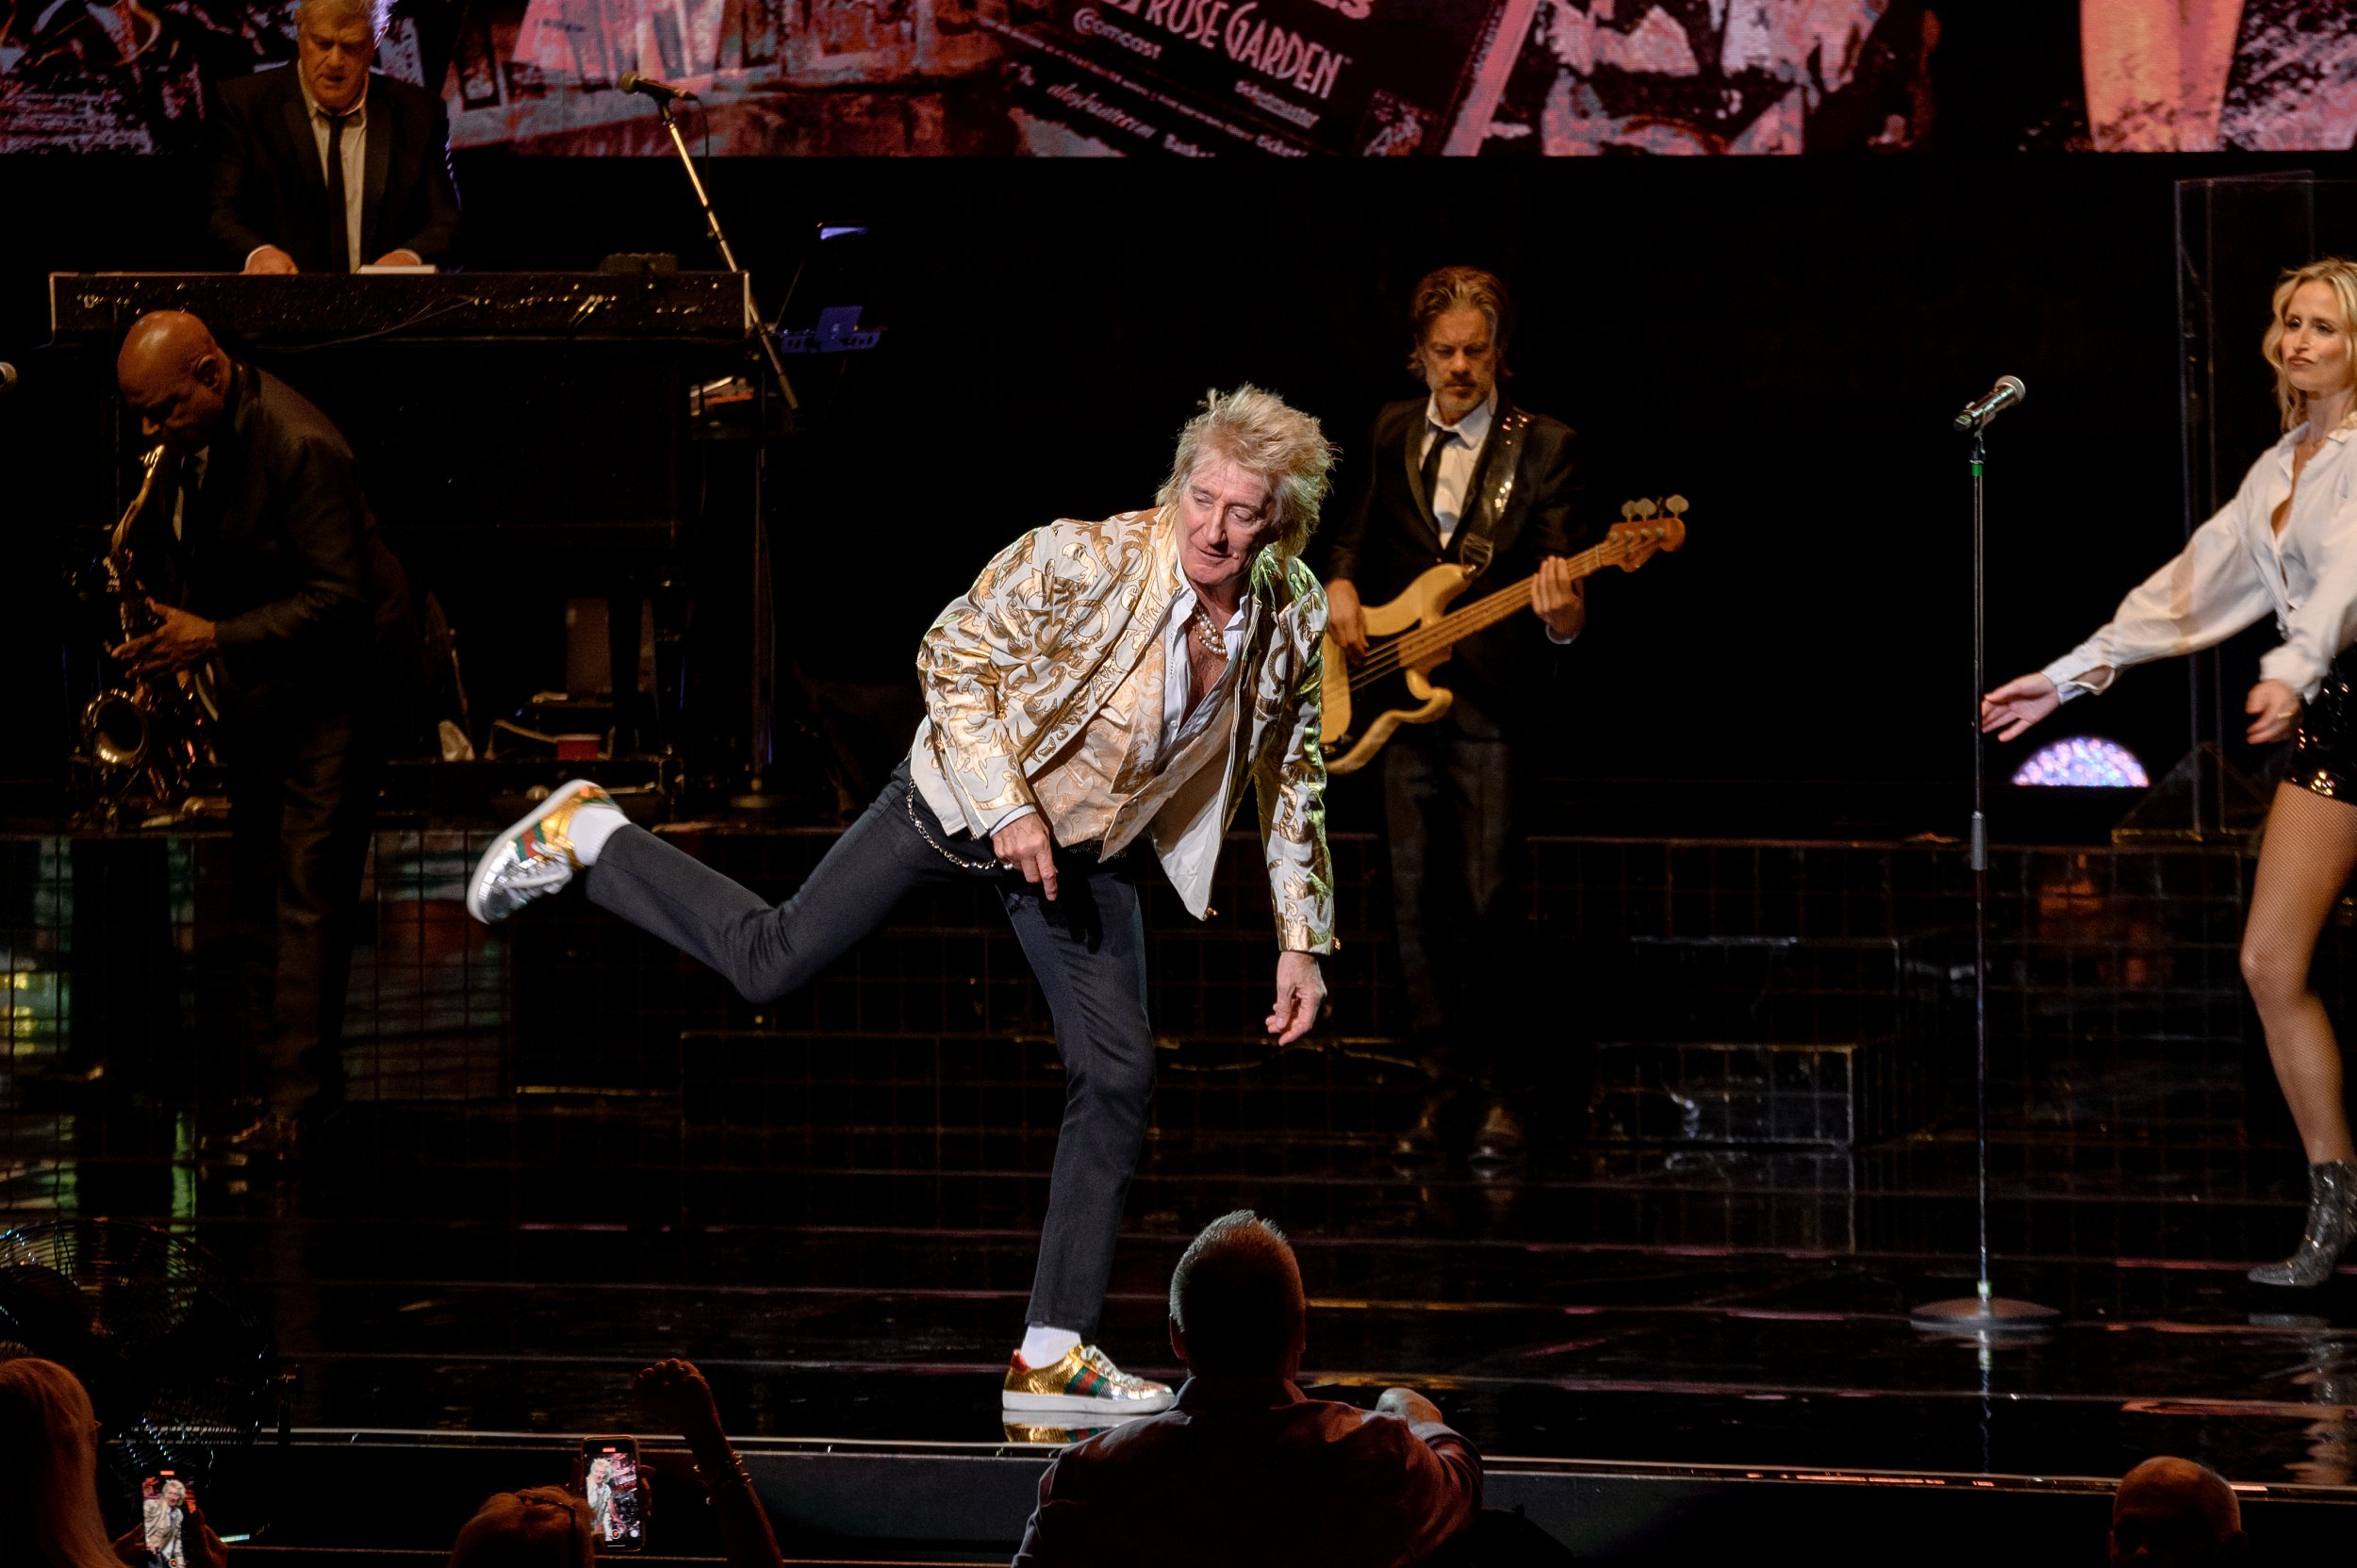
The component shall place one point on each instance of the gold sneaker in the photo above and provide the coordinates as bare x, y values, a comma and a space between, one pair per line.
1084, 1382
534, 857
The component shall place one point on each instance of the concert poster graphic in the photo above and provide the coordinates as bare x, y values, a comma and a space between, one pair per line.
1282, 78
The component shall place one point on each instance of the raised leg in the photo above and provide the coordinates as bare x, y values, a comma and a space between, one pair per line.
770, 951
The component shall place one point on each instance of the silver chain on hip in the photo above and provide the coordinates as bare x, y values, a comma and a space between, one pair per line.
940, 849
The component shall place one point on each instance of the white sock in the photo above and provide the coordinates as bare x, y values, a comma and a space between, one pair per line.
1044, 1347
592, 826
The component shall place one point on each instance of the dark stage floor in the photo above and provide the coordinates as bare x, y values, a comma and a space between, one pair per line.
1734, 1307
572, 1158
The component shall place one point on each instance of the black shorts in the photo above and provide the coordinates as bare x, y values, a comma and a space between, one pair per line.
2324, 757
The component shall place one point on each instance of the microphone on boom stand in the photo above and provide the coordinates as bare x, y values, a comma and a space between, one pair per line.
1984, 1314
760, 718
662, 93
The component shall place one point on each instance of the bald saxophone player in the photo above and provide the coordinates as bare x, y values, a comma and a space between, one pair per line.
277, 577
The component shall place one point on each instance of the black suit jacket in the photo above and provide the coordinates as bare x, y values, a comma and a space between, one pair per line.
1388, 539
268, 188
278, 549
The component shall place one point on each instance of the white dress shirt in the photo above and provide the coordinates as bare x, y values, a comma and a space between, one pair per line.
1454, 483
1179, 725
1195, 850
354, 152
2236, 568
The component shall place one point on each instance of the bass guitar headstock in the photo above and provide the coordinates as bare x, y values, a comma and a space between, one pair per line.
1645, 527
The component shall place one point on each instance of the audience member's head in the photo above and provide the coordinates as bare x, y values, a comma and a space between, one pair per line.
1236, 1307
49, 1469
544, 1526
2172, 1512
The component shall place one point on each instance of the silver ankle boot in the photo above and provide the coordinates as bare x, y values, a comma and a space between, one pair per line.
2331, 1226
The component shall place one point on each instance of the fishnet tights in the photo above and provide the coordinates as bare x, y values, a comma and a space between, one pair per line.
2309, 850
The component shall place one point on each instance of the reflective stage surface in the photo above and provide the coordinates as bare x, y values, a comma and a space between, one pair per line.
1736, 1307
563, 1157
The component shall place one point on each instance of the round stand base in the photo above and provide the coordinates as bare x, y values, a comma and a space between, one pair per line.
1973, 1314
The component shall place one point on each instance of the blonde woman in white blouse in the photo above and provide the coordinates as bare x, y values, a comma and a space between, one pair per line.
2286, 544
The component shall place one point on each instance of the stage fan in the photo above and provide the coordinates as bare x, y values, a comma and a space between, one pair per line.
180, 1366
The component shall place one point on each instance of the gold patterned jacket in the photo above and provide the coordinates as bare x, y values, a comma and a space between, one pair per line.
1014, 668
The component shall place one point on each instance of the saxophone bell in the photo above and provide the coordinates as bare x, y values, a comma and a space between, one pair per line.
118, 728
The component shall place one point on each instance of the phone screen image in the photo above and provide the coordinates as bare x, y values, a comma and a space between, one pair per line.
164, 1503
617, 1505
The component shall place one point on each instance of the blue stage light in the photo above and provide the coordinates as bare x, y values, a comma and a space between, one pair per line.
2084, 762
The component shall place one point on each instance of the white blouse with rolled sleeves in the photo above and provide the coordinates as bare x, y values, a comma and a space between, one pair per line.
2236, 568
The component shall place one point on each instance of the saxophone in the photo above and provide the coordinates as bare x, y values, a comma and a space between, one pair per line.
146, 739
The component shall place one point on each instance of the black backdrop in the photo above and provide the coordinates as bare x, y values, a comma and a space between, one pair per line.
1781, 340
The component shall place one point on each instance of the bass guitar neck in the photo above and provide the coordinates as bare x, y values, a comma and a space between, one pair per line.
1409, 636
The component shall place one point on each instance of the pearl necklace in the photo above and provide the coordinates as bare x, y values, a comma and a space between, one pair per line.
1214, 640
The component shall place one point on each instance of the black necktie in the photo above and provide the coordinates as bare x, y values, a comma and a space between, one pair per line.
184, 501
1430, 473
339, 220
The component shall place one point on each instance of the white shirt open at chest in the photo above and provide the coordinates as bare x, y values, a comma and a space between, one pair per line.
2236, 568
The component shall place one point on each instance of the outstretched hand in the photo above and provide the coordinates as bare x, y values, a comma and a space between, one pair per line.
2274, 710
2017, 704
1300, 994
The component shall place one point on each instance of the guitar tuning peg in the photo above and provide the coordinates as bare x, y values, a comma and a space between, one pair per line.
1629, 511
1646, 508
1675, 505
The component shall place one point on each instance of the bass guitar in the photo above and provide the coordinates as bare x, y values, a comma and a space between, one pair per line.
1412, 635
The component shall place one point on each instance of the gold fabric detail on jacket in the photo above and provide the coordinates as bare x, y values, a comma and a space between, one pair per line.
1016, 669
1111, 783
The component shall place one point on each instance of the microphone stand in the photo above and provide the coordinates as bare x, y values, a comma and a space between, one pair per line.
1985, 1311
760, 718
754, 323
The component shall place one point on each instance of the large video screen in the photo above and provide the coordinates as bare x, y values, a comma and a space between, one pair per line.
1282, 78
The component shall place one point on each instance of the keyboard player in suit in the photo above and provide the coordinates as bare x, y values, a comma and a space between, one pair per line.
326, 165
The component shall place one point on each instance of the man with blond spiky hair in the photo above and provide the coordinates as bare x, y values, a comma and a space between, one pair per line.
326, 166
1105, 689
